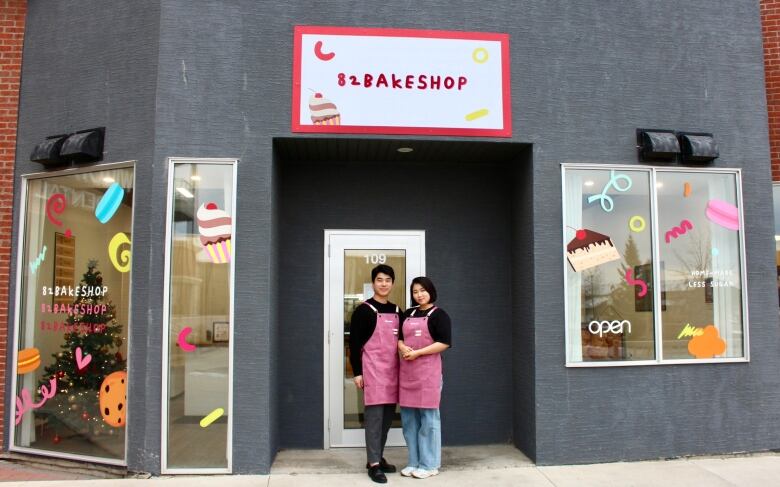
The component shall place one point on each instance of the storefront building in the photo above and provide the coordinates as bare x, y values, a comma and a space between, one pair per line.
202, 189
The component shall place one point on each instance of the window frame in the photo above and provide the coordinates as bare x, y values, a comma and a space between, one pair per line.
20, 241
169, 233
653, 227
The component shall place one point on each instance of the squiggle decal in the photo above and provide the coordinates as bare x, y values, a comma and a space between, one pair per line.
55, 205
38, 261
636, 282
606, 201
675, 232
25, 402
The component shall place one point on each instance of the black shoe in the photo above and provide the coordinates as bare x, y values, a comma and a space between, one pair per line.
376, 474
384, 466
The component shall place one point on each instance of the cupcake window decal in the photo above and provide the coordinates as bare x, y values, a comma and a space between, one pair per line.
216, 231
323, 111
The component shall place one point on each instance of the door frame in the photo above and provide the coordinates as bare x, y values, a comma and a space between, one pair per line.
326, 307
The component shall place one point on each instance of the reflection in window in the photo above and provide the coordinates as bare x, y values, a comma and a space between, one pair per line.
71, 373
609, 245
698, 224
200, 321
611, 274
358, 288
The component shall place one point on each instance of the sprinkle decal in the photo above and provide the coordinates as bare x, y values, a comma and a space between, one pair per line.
182, 340
477, 114
687, 190
211, 417
322, 56
675, 232
120, 260
636, 282
607, 204
38, 260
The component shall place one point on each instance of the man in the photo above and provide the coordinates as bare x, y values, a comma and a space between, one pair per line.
373, 342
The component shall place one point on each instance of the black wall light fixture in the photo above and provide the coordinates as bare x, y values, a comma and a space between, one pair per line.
657, 145
698, 148
81, 147
48, 151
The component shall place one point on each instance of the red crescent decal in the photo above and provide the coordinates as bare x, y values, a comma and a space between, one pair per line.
321, 55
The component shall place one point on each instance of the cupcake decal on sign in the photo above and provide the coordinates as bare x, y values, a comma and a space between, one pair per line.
323, 111
216, 231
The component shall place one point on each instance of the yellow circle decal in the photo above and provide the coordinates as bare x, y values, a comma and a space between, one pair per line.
636, 223
480, 55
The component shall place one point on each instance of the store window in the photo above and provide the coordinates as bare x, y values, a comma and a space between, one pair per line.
73, 314
654, 265
199, 325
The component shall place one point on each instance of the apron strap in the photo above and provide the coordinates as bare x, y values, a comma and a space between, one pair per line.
426, 314
369, 305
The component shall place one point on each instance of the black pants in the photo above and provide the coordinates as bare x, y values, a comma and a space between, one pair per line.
378, 419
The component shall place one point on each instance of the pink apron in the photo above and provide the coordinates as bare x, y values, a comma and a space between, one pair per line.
420, 379
380, 361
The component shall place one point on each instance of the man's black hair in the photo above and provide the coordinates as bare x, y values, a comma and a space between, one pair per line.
384, 269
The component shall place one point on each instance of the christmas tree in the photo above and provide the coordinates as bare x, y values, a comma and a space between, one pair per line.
92, 327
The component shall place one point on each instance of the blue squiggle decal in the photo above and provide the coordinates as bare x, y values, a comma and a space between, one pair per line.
38, 261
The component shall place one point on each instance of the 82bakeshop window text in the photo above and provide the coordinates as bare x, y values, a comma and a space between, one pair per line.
654, 265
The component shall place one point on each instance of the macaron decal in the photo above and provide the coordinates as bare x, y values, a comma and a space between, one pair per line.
28, 360
109, 203
723, 213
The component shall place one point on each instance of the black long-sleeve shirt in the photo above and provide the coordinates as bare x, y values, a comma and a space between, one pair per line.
362, 327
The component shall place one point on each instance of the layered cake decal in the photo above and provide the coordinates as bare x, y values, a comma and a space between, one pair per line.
216, 231
589, 249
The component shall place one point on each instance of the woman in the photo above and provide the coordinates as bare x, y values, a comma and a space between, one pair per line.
425, 333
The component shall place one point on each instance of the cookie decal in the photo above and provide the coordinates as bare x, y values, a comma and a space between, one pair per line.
113, 399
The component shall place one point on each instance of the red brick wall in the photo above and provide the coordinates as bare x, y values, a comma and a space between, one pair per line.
770, 24
12, 15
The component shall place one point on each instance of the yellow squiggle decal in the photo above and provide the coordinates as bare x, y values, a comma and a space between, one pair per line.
123, 264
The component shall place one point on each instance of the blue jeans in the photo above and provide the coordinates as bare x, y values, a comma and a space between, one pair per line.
422, 431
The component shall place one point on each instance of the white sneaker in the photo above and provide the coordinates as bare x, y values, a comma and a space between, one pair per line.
407, 471
424, 474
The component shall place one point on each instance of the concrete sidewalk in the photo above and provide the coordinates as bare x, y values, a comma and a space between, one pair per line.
493, 465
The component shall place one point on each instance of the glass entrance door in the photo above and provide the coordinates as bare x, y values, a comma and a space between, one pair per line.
350, 256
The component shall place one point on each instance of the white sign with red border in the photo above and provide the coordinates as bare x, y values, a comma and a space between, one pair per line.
400, 81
